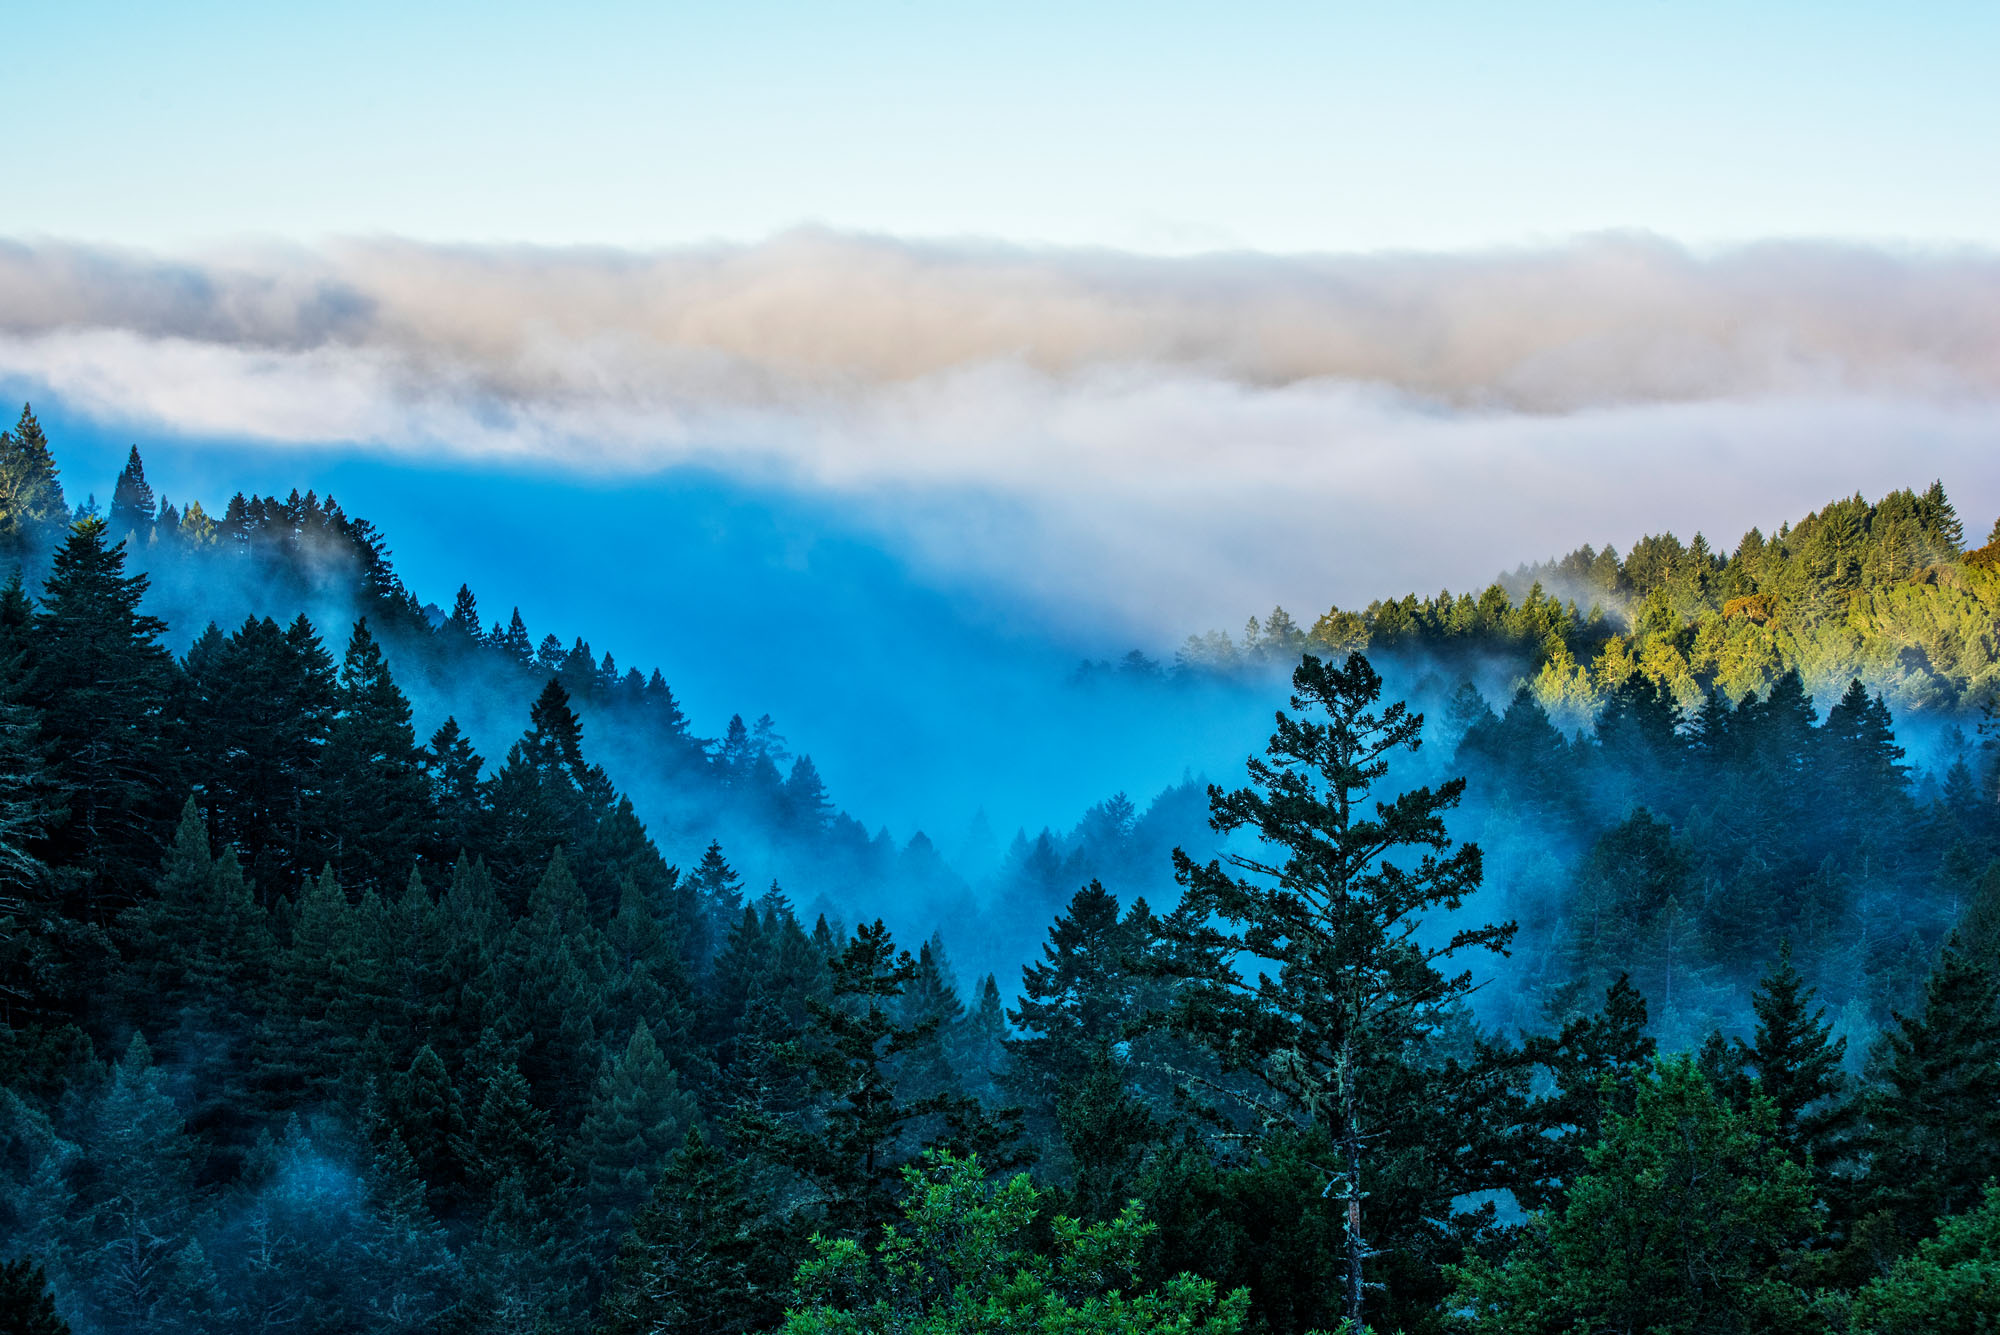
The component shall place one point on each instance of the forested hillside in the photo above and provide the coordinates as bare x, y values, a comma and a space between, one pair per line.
1670, 1005
1887, 593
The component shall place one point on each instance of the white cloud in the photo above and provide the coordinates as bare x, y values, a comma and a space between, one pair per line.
1171, 442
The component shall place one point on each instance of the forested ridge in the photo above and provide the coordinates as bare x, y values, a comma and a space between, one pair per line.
1674, 1009
1886, 592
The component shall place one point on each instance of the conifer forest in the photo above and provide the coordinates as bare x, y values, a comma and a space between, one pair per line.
1615, 949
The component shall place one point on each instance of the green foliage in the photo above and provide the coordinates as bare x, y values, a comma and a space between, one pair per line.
957, 1264
1683, 1223
697, 1258
1934, 1120
1950, 1286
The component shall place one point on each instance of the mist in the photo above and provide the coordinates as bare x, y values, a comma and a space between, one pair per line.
1109, 441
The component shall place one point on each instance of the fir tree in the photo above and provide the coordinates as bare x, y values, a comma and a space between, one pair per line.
515, 642
637, 1117
718, 897
375, 805
1797, 1062
464, 619
1682, 1222
31, 498
1338, 989
100, 684
696, 1258
132, 499
1595, 1063
427, 1118
852, 1142
1934, 1137
452, 768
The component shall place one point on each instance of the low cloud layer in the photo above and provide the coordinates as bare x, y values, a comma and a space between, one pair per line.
1170, 441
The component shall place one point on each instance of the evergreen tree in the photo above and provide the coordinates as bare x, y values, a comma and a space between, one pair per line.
31, 498
427, 1119
852, 1142
696, 1259
132, 499
807, 807
1797, 1062
1079, 998
1296, 965
100, 683
452, 767
556, 977
376, 805
1595, 1063
541, 797
1682, 1225
200, 956
138, 1263
514, 641
637, 1117
718, 897
258, 708
1934, 1137
464, 619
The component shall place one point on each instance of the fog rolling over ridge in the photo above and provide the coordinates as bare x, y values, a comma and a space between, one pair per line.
1157, 445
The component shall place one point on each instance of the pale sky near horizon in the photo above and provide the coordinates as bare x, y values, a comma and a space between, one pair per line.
1163, 128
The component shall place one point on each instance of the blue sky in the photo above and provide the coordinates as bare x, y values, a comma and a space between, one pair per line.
1157, 127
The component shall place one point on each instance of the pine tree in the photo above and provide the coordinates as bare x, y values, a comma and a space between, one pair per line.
718, 897
1296, 964
696, 1259
101, 684
515, 642
541, 797
1077, 1000
376, 802
132, 499
464, 619
807, 807
1682, 1222
138, 1262
931, 1001
1863, 762
1106, 1133
452, 767
979, 1046
854, 1139
31, 498
1596, 1063
637, 1117
556, 974
201, 958
427, 1117
257, 710
1934, 1137
1797, 1062
509, 1139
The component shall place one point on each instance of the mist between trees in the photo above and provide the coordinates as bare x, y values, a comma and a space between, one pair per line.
1660, 994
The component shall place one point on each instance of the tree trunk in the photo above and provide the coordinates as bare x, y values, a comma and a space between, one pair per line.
1350, 1150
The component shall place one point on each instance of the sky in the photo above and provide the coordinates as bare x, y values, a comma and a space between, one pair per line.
1160, 127
934, 336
